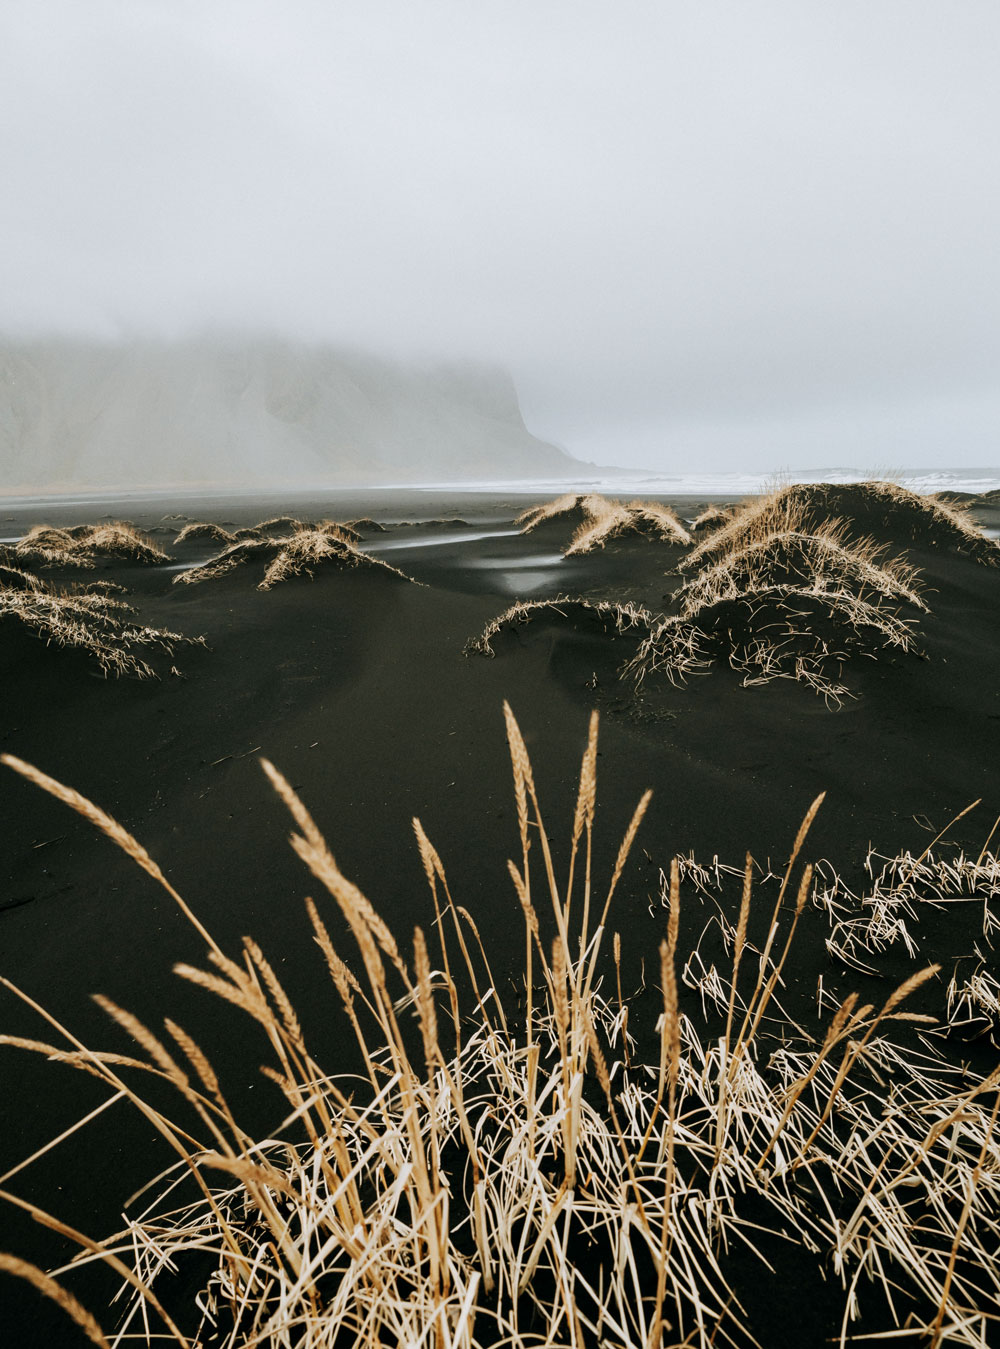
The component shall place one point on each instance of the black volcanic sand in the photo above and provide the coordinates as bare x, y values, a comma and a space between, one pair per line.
356, 686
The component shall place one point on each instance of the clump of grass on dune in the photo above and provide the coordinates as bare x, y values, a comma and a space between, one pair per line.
304, 551
779, 605
81, 545
277, 524
711, 518
826, 560
87, 619
577, 509
775, 632
863, 508
298, 554
783, 588
609, 614
284, 526
13, 578
781, 596
634, 519
539, 1177
233, 556
599, 521
204, 529
280, 527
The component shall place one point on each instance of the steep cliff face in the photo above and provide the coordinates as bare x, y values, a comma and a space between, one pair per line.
76, 414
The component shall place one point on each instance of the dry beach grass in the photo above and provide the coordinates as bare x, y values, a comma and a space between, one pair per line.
787, 604
865, 507
599, 521
782, 587
82, 545
531, 1173
88, 619
286, 556
833, 1175
280, 526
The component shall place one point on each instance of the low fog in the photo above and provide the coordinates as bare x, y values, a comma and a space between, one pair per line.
703, 235
84, 414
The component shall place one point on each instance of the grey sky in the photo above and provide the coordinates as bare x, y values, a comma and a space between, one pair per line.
760, 234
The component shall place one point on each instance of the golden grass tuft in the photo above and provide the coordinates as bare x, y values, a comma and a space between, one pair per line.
784, 604
81, 545
13, 578
204, 529
279, 527
634, 519
866, 507
307, 549
88, 619
780, 596
610, 614
548, 1180
573, 507
712, 517
775, 632
600, 520
298, 554
827, 560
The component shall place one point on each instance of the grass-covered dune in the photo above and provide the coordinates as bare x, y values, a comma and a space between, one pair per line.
882, 510
598, 522
735, 1101
781, 587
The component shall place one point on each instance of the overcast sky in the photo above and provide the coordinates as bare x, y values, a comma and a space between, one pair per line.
720, 234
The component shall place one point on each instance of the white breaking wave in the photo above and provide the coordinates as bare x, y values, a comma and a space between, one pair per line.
621, 482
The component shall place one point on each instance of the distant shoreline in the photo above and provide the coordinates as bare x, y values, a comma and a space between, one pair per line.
607, 481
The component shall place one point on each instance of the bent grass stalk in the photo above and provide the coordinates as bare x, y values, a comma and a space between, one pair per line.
570, 1214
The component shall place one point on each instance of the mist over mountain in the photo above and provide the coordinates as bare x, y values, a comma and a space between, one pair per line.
80, 414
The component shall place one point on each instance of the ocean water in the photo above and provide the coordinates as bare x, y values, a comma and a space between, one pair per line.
617, 482
606, 481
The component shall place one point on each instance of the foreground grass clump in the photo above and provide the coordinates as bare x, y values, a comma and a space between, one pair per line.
82, 545
865, 508
297, 554
599, 521
538, 1176
87, 619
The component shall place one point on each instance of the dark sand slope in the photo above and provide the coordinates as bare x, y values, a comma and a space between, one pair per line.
354, 684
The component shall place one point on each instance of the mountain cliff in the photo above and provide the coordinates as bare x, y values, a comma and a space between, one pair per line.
77, 414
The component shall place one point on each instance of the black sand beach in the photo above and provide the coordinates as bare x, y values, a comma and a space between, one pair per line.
356, 686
